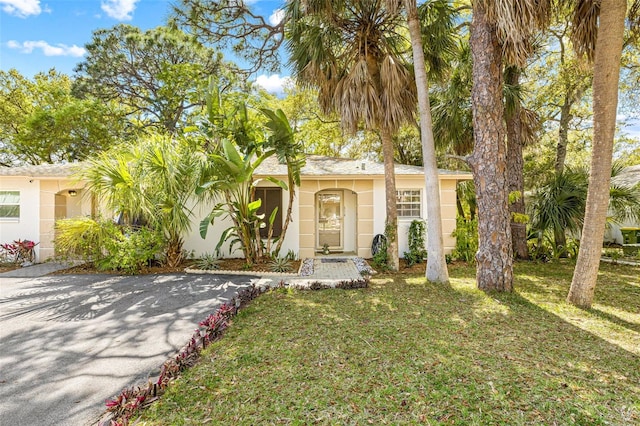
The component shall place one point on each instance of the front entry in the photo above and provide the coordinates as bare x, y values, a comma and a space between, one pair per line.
330, 220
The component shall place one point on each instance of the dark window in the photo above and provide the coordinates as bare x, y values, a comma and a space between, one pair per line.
271, 199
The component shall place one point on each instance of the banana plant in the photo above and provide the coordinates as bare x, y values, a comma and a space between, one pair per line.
231, 178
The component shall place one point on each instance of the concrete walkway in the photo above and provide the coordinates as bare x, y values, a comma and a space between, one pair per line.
328, 272
37, 270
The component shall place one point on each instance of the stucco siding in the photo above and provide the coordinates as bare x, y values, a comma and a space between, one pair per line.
26, 227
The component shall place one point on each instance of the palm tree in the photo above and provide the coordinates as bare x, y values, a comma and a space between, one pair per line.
436, 264
608, 51
559, 206
355, 54
155, 182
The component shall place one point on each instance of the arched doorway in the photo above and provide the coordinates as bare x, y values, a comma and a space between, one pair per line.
336, 220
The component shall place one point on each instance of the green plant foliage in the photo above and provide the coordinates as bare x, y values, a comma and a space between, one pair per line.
543, 248
613, 253
107, 245
131, 249
153, 181
41, 121
208, 262
280, 264
83, 238
291, 255
417, 253
466, 234
381, 258
240, 147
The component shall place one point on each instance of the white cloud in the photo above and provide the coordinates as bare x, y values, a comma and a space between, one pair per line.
122, 10
272, 83
48, 49
276, 17
21, 8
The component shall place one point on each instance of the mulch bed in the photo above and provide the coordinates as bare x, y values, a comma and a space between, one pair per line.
8, 267
225, 265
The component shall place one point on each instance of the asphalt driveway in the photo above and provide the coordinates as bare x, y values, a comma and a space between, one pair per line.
69, 342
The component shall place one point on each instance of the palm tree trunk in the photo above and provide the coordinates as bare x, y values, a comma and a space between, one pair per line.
515, 174
605, 102
436, 263
391, 224
488, 160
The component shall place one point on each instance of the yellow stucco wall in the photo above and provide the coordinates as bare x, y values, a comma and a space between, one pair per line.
449, 212
307, 196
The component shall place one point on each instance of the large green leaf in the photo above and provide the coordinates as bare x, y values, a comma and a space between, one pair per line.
253, 206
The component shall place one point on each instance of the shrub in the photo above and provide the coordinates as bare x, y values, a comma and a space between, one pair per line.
466, 234
20, 251
381, 258
417, 253
280, 264
613, 253
106, 244
291, 255
131, 250
83, 238
208, 262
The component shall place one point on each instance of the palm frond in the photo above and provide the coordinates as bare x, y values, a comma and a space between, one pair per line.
585, 27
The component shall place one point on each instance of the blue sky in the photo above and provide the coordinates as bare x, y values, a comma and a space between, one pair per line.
38, 35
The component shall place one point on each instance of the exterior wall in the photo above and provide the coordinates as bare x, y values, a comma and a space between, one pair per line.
44, 201
449, 212
357, 193
198, 246
447, 200
27, 226
41, 203
56, 203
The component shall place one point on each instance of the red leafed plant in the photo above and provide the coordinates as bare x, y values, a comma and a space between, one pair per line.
124, 406
19, 251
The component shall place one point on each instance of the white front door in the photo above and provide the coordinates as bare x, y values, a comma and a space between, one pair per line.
330, 220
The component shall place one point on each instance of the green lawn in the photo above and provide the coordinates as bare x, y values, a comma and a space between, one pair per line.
407, 352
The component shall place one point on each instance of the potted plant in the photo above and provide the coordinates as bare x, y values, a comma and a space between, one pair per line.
325, 249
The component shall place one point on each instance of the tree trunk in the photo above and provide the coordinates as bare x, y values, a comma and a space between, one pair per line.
436, 263
605, 102
574, 95
391, 224
488, 160
515, 175
287, 221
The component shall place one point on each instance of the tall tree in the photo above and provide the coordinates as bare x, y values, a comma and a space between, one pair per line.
42, 122
520, 125
488, 160
353, 52
608, 51
436, 264
158, 74
498, 30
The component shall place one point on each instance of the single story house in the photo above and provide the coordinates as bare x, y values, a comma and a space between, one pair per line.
629, 176
340, 202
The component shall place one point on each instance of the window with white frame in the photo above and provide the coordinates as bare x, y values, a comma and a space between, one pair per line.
409, 202
10, 205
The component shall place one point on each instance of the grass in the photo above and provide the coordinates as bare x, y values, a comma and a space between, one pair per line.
407, 352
